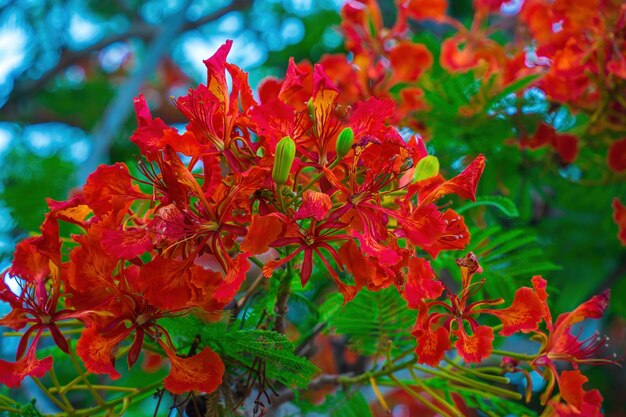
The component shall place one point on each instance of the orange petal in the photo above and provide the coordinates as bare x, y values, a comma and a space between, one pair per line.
201, 372
315, 205
12, 373
432, 346
571, 386
262, 232
524, 313
476, 347
97, 352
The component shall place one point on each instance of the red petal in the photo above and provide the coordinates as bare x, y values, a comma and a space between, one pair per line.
378, 249
110, 187
456, 236
29, 263
409, 60
166, 283
591, 309
292, 83
90, 267
97, 352
263, 230
314, 204
201, 372
126, 244
566, 146
365, 273
463, 185
524, 313
619, 216
617, 155
424, 226
237, 269
421, 283
216, 76
543, 136
571, 386
476, 347
427, 9
539, 285
432, 346
12, 373
149, 133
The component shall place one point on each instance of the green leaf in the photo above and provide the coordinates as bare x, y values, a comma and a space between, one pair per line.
371, 320
245, 346
515, 86
503, 204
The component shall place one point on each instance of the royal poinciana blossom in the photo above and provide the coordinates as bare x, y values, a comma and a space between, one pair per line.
572, 56
308, 177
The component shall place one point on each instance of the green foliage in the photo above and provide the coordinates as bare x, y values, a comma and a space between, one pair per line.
245, 346
372, 320
495, 406
508, 257
26, 174
503, 204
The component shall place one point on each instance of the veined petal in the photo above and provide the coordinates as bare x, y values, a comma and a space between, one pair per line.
476, 347
201, 372
263, 230
97, 352
421, 283
463, 185
377, 249
126, 244
110, 187
12, 373
315, 205
571, 387
524, 313
432, 346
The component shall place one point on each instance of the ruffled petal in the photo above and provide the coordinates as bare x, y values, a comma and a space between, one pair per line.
476, 347
202, 372
12, 373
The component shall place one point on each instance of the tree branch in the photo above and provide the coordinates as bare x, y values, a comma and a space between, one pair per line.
138, 29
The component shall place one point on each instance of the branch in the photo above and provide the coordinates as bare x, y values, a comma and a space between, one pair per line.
138, 29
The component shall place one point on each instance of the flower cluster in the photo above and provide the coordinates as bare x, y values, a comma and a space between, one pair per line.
309, 175
295, 174
572, 56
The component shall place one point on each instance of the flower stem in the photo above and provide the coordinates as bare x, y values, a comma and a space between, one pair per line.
419, 397
515, 355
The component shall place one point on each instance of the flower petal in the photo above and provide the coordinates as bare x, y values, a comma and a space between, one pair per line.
201, 372
476, 347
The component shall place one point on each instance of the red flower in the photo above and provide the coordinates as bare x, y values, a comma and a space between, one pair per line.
619, 216
579, 403
559, 344
438, 320
617, 155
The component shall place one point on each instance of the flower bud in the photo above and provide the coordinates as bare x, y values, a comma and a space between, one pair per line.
311, 109
345, 140
283, 159
426, 168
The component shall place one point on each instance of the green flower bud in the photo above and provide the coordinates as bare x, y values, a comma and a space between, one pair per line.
311, 109
345, 140
283, 159
426, 168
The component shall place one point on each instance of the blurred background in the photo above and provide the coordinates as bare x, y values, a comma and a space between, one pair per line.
70, 69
